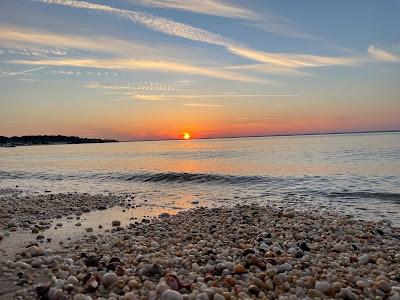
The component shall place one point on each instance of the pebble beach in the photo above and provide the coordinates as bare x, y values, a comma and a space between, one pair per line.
240, 252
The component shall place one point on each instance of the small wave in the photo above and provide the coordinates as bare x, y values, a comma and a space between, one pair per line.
367, 195
167, 177
316, 186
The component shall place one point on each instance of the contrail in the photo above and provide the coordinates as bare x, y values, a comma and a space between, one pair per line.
21, 72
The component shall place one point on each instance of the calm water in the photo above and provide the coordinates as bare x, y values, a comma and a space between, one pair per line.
353, 173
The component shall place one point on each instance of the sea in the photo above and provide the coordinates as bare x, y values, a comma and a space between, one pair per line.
354, 174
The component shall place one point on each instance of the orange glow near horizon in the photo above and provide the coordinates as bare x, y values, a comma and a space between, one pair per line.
186, 136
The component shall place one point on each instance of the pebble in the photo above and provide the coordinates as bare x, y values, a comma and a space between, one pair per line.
36, 263
72, 280
109, 279
171, 295
81, 297
21, 264
245, 252
116, 223
383, 285
322, 286
239, 269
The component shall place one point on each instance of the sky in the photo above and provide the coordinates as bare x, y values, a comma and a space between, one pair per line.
153, 69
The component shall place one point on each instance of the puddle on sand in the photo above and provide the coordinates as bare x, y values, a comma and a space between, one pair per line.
18, 240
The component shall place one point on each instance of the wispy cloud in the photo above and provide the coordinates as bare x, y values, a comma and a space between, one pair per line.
153, 97
269, 69
383, 55
294, 61
21, 72
203, 105
132, 64
207, 7
170, 27
282, 26
150, 97
156, 23
265, 21
17, 36
141, 86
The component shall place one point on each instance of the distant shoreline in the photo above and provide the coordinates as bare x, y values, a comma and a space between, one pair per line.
37, 140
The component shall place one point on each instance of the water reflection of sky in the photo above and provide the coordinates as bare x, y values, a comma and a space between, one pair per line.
334, 168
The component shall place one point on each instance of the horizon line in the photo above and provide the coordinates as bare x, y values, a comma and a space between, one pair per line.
267, 135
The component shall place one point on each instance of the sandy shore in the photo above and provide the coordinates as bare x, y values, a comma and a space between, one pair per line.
220, 253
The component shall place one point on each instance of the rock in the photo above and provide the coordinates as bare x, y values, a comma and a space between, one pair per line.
43, 289
89, 229
35, 230
32, 250
171, 295
92, 261
383, 285
239, 269
162, 287
347, 293
322, 286
21, 264
202, 296
120, 271
81, 297
116, 223
230, 281
109, 279
362, 284
37, 263
152, 270
254, 290
363, 259
55, 294
303, 246
339, 247
285, 267
59, 283
314, 293
72, 280
248, 251
131, 296
218, 297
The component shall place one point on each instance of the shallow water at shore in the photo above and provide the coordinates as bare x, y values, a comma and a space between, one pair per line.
353, 173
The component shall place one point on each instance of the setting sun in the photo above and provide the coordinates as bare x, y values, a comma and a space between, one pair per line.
186, 136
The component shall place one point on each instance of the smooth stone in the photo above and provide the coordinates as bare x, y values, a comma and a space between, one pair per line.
21, 264
383, 286
80, 297
239, 269
72, 280
202, 296
363, 259
171, 295
162, 287
322, 286
59, 284
37, 263
109, 279
218, 297
285, 267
